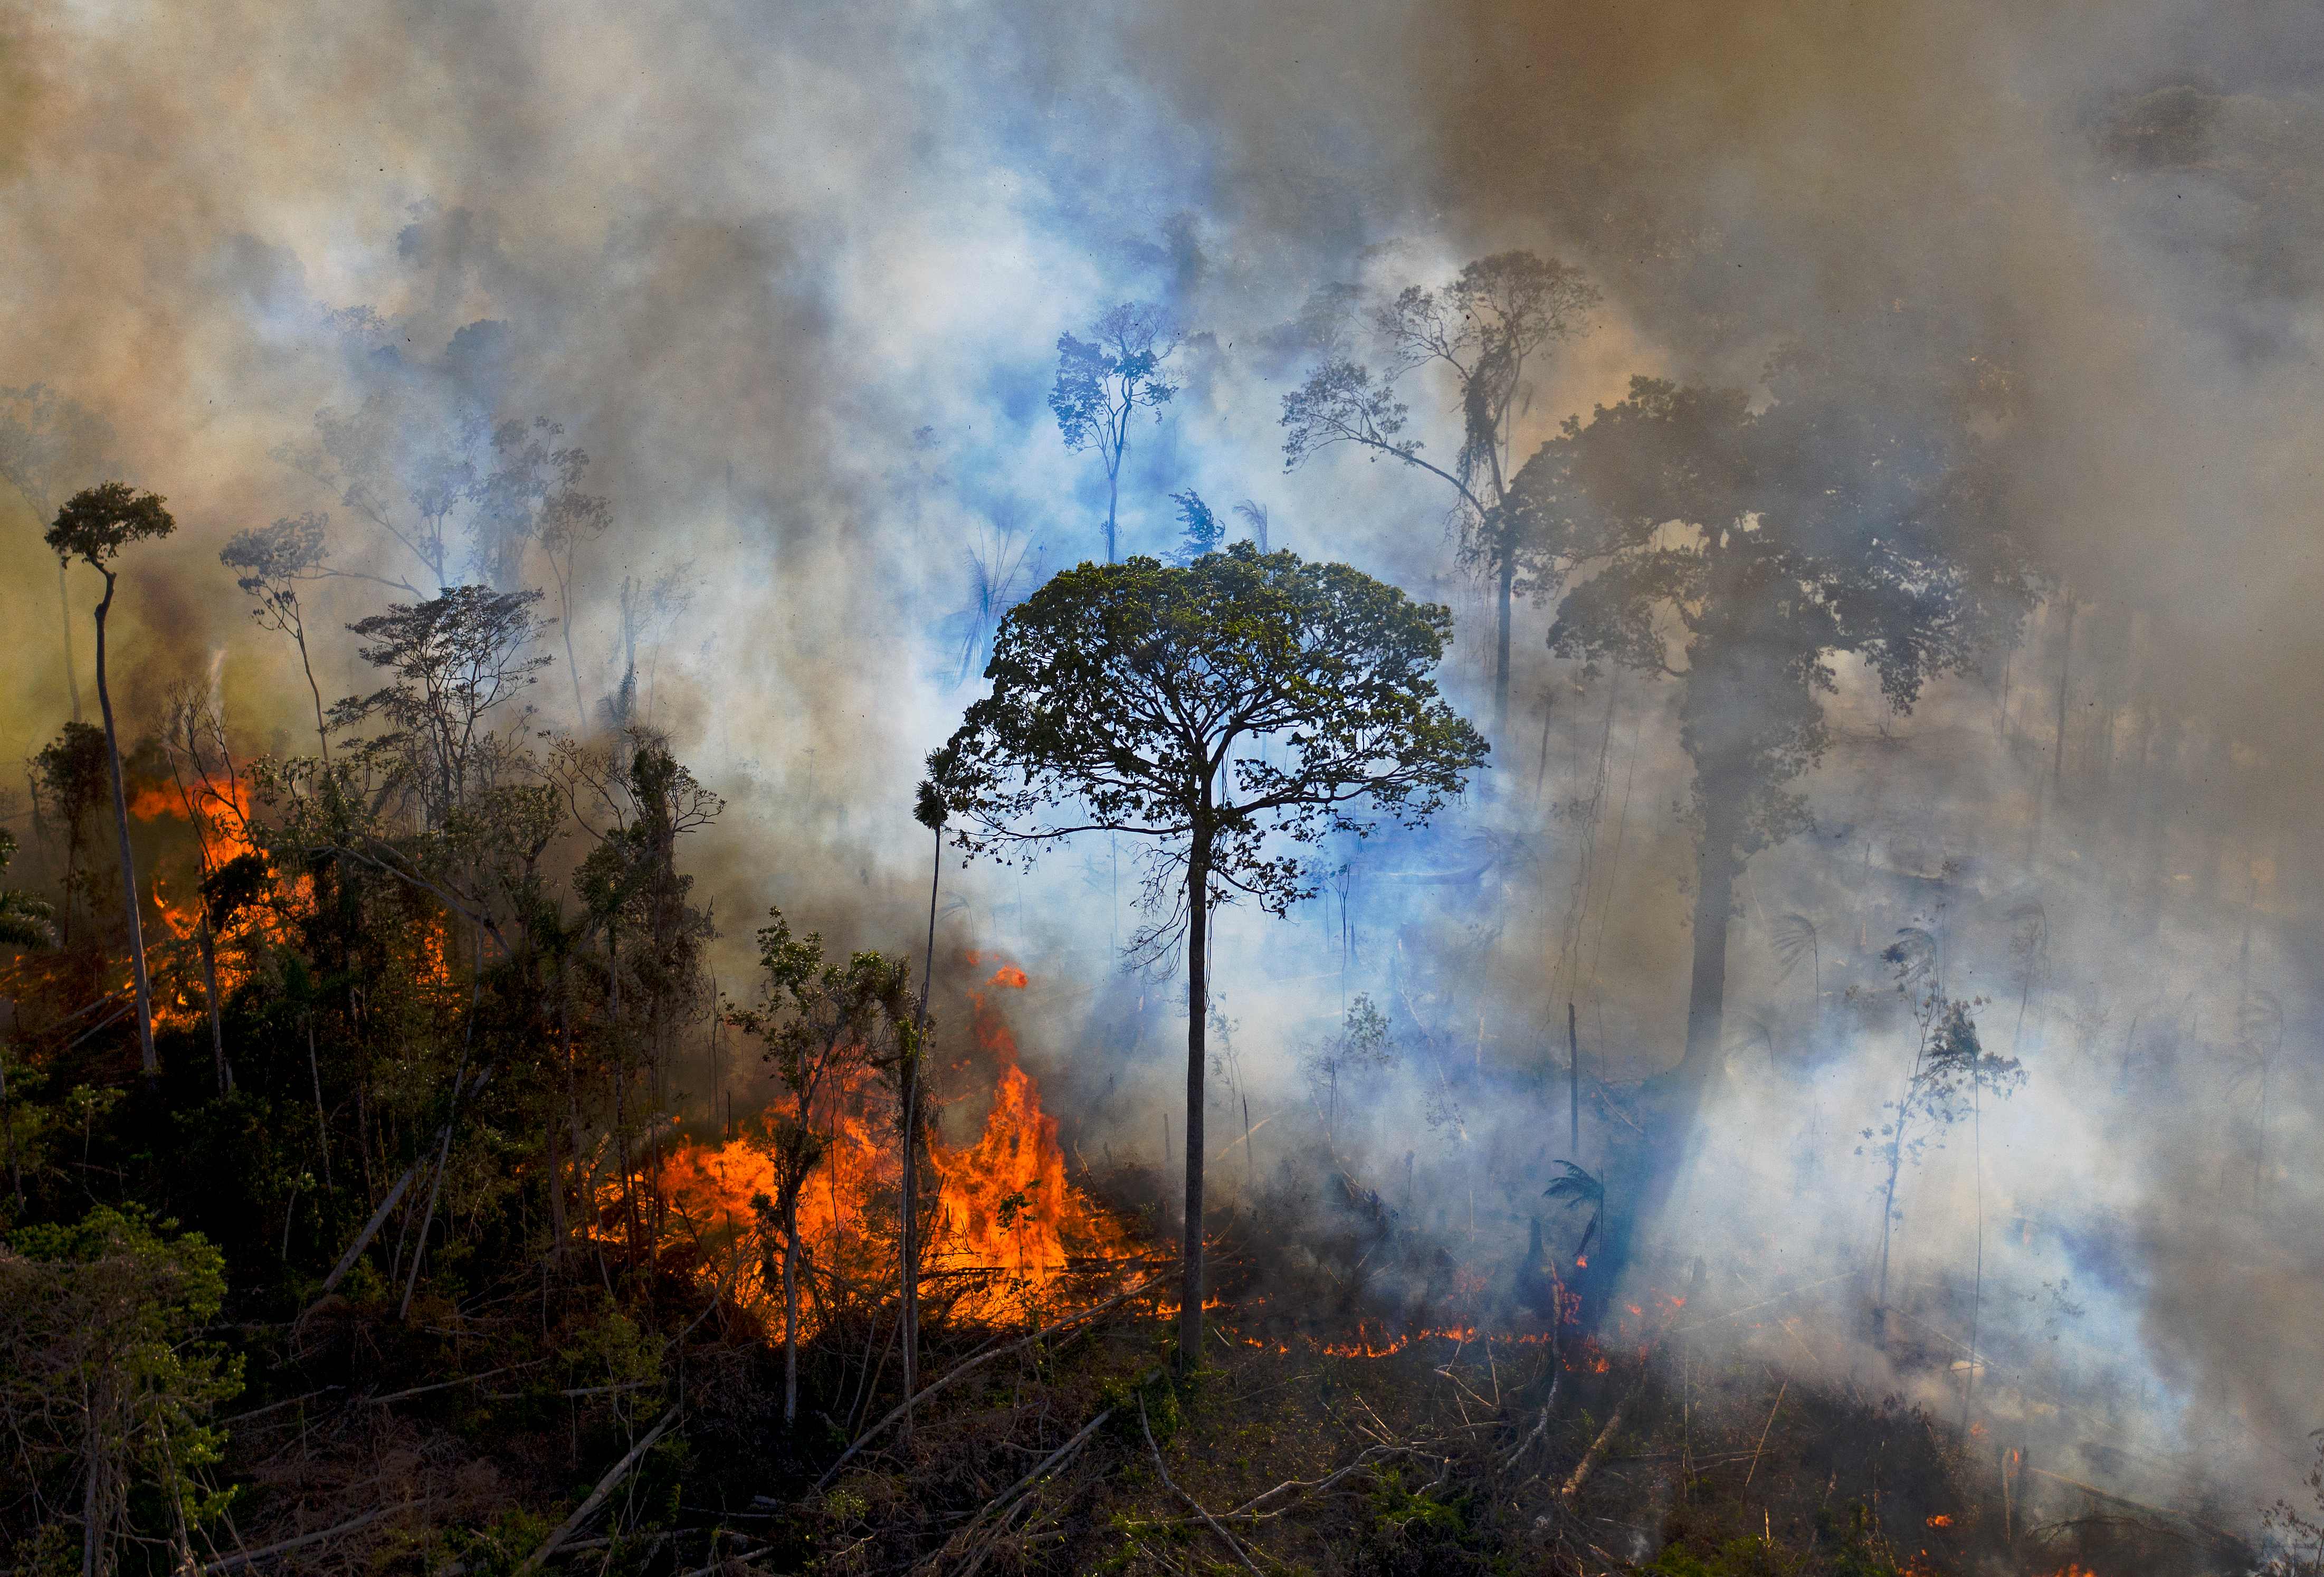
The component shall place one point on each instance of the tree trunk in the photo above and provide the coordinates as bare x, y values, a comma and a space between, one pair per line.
147, 1061
790, 1309
210, 995
322, 1121
1198, 1000
1112, 501
64, 600
908, 1243
1501, 653
1714, 898
322, 733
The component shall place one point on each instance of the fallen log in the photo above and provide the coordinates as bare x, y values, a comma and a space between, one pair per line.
371, 1229
589, 1508
977, 1362
242, 1558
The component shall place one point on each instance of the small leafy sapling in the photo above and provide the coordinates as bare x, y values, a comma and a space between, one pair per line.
823, 1024
1951, 1070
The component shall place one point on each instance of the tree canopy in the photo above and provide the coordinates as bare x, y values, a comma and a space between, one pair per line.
1741, 552
1132, 697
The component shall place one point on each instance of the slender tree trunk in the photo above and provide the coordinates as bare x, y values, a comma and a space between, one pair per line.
1113, 501
1714, 899
72, 675
908, 1243
1501, 653
322, 1122
1198, 1000
322, 733
209, 943
790, 1310
147, 1061
1573, 1080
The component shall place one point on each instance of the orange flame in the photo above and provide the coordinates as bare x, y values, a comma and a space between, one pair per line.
1008, 1224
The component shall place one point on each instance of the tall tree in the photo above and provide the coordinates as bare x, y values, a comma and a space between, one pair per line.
94, 526
43, 439
1104, 381
274, 562
1481, 329
1739, 553
1225, 713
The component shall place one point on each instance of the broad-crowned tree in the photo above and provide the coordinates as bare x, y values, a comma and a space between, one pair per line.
1104, 381
1481, 330
1740, 553
1227, 713
94, 526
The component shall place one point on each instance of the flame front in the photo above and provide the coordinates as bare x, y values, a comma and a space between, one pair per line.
1007, 1226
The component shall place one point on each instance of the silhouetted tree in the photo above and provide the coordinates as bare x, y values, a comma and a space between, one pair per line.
1738, 553
274, 561
1951, 1072
1481, 329
1104, 381
1201, 531
455, 659
72, 777
94, 526
1135, 698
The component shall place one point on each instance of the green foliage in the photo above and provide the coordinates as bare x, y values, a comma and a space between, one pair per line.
1201, 531
106, 1391
97, 522
23, 916
1743, 1557
500, 1547
1136, 698
1838, 519
1401, 1512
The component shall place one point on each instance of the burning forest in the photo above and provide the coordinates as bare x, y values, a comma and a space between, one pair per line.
1479, 789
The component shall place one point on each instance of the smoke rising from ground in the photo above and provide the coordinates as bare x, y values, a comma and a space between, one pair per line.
793, 276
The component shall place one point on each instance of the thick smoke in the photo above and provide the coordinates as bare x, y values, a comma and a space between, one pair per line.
792, 277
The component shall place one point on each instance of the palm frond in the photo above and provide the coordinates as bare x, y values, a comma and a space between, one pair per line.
1790, 938
1914, 955
1576, 1186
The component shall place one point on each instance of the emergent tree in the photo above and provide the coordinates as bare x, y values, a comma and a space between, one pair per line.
94, 526
1136, 698
1739, 553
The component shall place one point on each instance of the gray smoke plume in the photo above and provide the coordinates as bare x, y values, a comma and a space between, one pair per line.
792, 278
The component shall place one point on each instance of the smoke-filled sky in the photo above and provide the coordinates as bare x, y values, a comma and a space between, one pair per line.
793, 276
